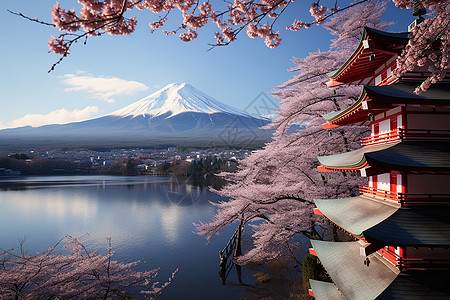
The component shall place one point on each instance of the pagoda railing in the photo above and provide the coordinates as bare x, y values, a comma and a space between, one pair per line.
401, 134
378, 193
390, 256
414, 262
423, 263
421, 199
406, 199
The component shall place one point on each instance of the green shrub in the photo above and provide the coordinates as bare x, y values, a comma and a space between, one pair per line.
311, 269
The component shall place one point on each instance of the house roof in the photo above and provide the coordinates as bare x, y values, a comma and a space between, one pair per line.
377, 99
346, 268
383, 44
325, 290
404, 156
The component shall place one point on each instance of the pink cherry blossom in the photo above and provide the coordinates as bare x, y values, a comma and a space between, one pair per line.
273, 190
72, 272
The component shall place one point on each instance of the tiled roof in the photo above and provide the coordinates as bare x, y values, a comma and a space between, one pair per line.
428, 226
358, 60
346, 268
325, 290
356, 214
403, 156
378, 220
382, 98
419, 285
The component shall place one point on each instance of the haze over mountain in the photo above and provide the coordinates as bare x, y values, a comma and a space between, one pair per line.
176, 114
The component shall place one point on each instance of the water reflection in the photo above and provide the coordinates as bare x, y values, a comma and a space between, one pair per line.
146, 217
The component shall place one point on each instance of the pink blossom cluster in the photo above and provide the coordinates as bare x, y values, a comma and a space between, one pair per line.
157, 24
58, 45
188, 36
297, 25
274, 188
428, 47
318, 12
98, 16
256, 17
71, 273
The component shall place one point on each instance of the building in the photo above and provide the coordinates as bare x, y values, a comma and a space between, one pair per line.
401, 219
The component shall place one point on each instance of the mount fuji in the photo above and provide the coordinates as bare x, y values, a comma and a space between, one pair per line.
177, 114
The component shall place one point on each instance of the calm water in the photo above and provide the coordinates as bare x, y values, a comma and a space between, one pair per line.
148, 218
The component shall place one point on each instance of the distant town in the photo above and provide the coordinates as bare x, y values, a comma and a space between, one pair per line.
168, 161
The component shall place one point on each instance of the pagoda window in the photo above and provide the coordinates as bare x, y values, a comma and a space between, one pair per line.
378, 80
399, 121
385, 126
400, 188
389, 72
383, 182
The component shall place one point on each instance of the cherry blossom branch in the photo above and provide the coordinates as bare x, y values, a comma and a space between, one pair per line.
30, 19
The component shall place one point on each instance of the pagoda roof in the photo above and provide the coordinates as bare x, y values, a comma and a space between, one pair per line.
345, 265
430, 156
325, 290
381, 280
356, 214
415, 285
428, 226
380, 221
384, 45
377, 99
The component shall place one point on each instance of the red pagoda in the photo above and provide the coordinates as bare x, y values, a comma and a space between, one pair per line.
401, 219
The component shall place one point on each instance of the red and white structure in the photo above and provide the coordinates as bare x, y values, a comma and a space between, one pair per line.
401, 219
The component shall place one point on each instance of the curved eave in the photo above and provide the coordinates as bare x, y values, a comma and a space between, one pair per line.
325, 290
349, 161
376, 99
413, 227
400, 156
384, 223
345, 265
418, 285
356, 214
403, 93
358, 62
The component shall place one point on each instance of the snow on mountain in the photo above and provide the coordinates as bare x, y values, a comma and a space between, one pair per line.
174, 99
176, 114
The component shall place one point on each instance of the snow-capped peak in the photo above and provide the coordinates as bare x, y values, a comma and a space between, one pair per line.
176, 98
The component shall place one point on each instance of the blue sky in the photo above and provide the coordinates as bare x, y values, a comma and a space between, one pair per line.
111, 72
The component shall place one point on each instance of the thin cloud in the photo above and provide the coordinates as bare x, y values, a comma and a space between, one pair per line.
60, 116
104, 88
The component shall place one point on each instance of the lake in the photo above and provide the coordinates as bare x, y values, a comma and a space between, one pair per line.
147, 218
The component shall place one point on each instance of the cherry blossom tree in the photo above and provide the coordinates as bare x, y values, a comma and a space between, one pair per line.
429, 44
274, 188
257, 18
74, 273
